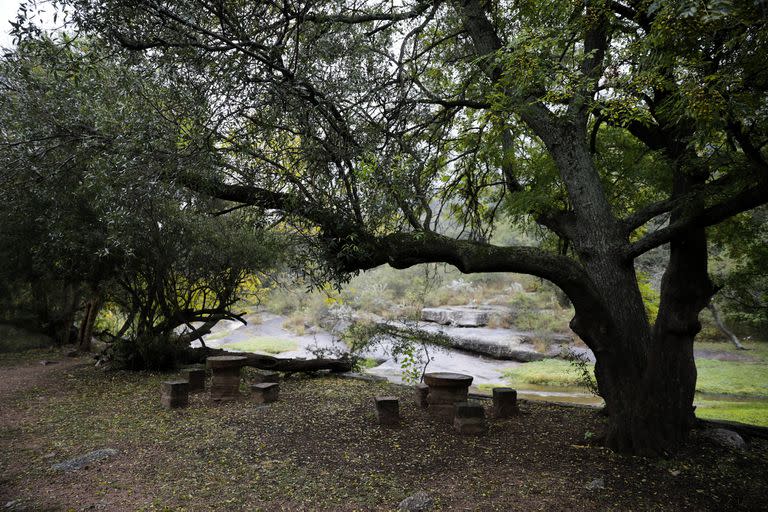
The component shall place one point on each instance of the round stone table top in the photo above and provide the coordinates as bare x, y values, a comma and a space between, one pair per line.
448, 380
218, 362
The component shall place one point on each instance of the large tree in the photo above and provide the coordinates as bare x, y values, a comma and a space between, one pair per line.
618, 126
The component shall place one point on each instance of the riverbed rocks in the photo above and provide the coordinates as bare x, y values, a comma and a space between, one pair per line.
502, 344
466, 316
474, 328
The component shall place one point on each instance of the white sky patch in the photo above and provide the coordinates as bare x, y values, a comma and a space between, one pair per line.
41, 12
8, 9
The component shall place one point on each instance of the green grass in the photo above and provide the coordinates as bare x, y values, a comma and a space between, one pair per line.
732, 378
549, 372
745, 378
754, 413
264, 344
368, 362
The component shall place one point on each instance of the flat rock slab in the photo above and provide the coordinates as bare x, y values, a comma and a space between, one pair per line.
85, 460
504, 344
464, 316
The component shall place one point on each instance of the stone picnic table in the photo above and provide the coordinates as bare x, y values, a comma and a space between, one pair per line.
225, 376
445, 390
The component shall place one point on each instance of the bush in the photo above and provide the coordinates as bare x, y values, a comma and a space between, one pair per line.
156, 353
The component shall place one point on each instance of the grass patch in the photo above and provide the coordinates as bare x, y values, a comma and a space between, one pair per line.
732, 377
754, 413
264, 344
368, 362
717, 377
549, 372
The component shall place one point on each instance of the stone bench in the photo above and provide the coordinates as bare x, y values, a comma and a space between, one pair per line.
505, 402
387, 411
421, 392
174, 394
469, 419
265, 392
196, 379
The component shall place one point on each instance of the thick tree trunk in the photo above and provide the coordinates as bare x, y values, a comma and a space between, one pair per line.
648, 378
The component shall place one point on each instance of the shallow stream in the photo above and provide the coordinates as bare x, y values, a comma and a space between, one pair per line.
485, 370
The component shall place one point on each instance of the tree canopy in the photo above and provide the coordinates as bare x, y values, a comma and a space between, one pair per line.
403, 133
88, 219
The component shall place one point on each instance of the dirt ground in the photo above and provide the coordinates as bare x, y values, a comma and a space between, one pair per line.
319, 448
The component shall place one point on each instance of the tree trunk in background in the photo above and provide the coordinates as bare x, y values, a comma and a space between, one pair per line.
91, 311
724, 328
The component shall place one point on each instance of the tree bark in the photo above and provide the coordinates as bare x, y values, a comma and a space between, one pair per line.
264, 362
85, 333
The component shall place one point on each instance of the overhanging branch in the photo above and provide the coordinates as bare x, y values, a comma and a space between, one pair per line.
745, 200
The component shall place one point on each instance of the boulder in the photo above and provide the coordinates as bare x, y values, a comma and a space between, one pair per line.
464, 316
419, 502
724, 437
85, 460
596, 484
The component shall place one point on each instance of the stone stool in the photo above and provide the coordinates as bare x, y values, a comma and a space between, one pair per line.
445, 390
266, 377
504, 402
387, 411
196, 379
265, 392
422, 390
225, 376
174, 394
469, 419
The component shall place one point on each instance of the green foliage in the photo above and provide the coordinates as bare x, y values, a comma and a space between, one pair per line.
16, 339
650, 296
146, 353
407, 345
91, 146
